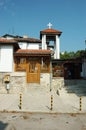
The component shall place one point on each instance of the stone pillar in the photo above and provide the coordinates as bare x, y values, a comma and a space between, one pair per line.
44, 45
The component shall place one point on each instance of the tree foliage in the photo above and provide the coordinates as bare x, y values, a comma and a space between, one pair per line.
71, 55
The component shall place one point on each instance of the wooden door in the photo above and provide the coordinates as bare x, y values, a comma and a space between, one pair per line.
33, 71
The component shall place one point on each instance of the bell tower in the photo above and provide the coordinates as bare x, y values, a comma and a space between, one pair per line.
51, 40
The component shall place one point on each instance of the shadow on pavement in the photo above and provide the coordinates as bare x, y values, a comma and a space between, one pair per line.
3, 125
76, 86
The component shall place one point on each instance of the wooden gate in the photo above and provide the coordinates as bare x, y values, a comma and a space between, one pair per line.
33, 71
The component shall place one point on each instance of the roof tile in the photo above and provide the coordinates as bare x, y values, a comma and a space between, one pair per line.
4, 40
30, 40
32, 52
50, 30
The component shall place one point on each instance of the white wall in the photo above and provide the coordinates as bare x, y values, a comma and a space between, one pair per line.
20, 45
6, 58
29, 45
33, 46
57, 48
23, 45
44, 45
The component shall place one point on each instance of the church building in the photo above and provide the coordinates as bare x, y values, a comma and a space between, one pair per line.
25, 61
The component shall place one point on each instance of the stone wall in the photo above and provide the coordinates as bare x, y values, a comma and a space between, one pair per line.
2, 84
17, 82
57, 83
45, 80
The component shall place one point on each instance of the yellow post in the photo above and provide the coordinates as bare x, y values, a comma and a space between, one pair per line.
51, 103
80, 103
20, 106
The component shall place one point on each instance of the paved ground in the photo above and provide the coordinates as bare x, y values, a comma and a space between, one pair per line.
42, 121
37, 100
35, 113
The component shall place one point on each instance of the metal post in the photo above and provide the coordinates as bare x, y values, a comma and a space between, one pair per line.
80, 104
50, 74
51, 103
20, 106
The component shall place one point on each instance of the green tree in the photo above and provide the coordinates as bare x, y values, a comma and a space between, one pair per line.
71, 55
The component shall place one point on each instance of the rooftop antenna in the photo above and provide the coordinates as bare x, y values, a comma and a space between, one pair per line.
49, 25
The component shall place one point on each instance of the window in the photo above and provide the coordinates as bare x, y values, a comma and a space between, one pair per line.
20, 64
20, 44
33, 68
22, 60
40, 46
45, 65
57, 70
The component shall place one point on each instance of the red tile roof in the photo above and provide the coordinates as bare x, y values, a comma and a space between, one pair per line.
19, 39
4, 40
50, 31
9, 41
30, 40
33, 52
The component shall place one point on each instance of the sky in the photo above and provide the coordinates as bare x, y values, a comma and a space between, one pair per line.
29, 17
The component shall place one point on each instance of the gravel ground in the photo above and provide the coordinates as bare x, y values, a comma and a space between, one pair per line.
42, 121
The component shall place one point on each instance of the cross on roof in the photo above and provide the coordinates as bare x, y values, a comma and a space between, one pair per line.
49, 25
